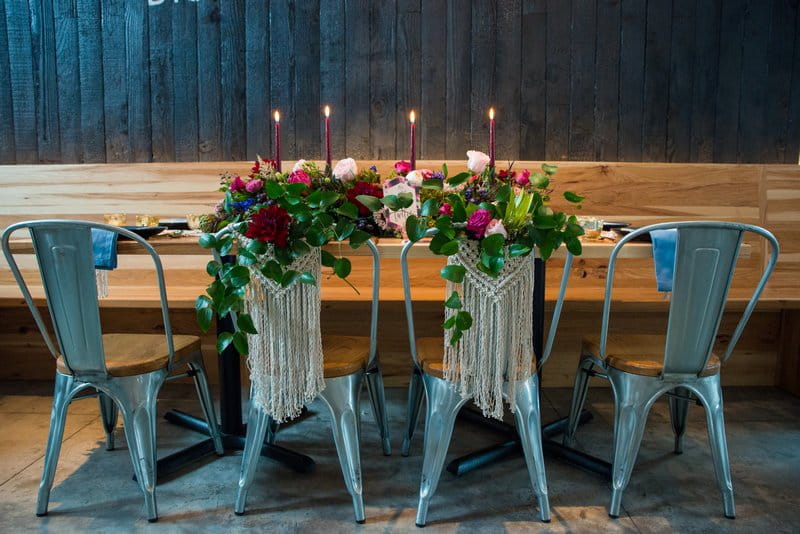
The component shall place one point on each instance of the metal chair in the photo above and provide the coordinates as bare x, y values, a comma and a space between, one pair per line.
347, 362
444, 401
127, 370
705, 259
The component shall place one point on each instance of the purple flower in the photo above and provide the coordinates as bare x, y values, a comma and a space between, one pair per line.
477, 223
254, 186
438, 175
373, 168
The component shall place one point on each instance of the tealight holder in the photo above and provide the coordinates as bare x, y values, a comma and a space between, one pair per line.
116, 219
147, 220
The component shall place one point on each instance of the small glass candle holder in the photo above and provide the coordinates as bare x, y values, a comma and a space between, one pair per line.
592, 227
116, 219
146, 220
193, 220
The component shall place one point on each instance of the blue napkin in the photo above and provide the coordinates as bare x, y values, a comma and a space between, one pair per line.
104, 249
664, 242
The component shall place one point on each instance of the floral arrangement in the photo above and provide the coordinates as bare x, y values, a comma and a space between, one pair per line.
277, 218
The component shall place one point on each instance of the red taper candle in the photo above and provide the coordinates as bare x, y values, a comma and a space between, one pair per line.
278, 140
328, 136
491, 137
412, 117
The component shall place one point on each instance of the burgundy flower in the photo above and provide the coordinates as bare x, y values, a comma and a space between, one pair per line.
256, 168
477, 223
446, 209
502, 174
254, 186
524, 178
238, 184
269, 225
402, 167
363, 188
299, 177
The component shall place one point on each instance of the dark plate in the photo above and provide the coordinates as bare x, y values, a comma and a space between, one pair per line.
144, 231
643, 238
614, 225
174, 224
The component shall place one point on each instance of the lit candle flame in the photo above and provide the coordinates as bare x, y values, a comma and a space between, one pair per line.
491, 114
277, 116
412, 117
327, 111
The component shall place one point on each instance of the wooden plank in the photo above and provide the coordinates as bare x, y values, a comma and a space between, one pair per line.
753, 100
20, 52
559, 15
258, 94
705, 78
433, 128
184, 81
484, 55
282, 65
631, 80
45, 81
137, 42
582, 80
209, 102
457, 140
793, 137
233, 76
8, 147
681, 71
162, 95
533, 97
383, 113
332, 68
90, 46
308, 111
726, 129
606, 72
656, 81
408, 52
357, 82
115, 101
787, 370
69, 82
507, 73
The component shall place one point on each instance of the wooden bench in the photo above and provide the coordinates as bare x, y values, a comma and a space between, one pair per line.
638, 193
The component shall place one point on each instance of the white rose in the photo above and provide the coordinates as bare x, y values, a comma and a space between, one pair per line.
495, 226
345, 169
299, 165
414, 178
477, 161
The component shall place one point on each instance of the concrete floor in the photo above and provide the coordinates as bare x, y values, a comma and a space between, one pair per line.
93, 487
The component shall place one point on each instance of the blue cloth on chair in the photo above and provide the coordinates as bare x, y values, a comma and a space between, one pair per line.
104, 249
664, 243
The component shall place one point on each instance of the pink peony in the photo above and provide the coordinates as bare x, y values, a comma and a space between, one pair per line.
477, 223
299, 177
254, 186
495, 226
402, 167
523, 178
238, 185
446, 209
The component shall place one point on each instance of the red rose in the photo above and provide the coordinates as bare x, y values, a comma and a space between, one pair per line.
363, 188
269, 225
237, 184
255, 169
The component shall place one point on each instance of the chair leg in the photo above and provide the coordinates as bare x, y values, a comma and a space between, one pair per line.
443, 405
578, 400
377, 397
529, 426
272, 431
710, 394
207, 403
257, 423
415, 391
634, 395
678, 413
137, 399
62, 395
108, 412
341, 395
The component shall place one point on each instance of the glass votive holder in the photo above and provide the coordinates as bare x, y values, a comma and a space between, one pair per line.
146, 220
116, 219
592, 226
193, 220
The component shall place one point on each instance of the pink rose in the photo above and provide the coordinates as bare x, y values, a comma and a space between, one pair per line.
345, 170
477, 161
446, 209
402, 167
427, 174
477, 223
495, 226
414, 178
238, 185
254, 186
299, 177
523, 178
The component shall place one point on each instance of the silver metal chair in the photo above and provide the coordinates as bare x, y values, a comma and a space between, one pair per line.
444, 401
705, 259
127, 370
348, 361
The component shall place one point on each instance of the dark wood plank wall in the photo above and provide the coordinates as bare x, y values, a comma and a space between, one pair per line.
607, 80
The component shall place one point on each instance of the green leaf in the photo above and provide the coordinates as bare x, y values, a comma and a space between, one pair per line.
390, 201
300, 247
436, 243
449, 323
503, 194
342, 267
493, 245
518, 250
296, 189
449, 248
371, 203
445, 226
308, 278
540, 181
328, 259
204, 318
455, 337
458, 179
273, 189
314, 199
216, 290
240, 342
289, 277
459, 212
416, 227
574, 246
224, 245
432, 184
245, 257
429, 207
328, 198
404, 200
223, 340
239, 276
573, 197
348, 210
256, 247
453, 301
213, 267
272, 270
344, 229
453, 273
207, 241
358, 238
245, 323
549, 169
463, 320
444, 169
315, 237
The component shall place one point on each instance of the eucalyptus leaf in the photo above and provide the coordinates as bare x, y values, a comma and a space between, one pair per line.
416, 227
289, 277
239, 276
328, 259
348, 209
463, 320
213, 267
208, 241
453, 301
308, 278
273, 189
453, 273
429, 208
342, 267
370, 202
449, 248
358, 238
573, 197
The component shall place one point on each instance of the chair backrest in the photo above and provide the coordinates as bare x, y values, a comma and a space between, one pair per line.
376, 288
705, 259
541, 358
63, 250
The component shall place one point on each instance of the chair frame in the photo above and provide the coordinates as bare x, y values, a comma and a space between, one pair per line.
341, 396
135, 396
635, 394
444, 403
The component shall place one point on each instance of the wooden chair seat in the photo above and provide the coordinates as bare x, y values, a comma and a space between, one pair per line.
344, 355
136, 354
431, 357
638, 354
